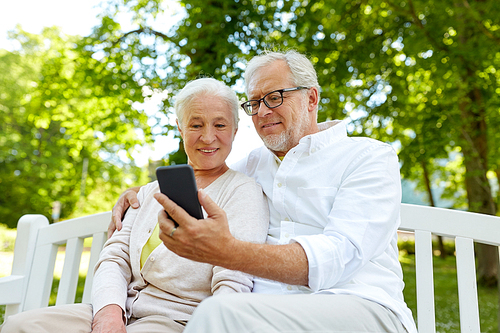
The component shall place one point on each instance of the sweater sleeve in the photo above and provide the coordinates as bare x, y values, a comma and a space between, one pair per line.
248, 216
113, 272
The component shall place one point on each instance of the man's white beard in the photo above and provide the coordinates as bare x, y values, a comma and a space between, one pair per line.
290, 137
276, 142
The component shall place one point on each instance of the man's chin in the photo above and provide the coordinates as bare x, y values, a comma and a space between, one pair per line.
275, 142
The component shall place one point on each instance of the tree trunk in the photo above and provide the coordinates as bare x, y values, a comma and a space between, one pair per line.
475, 152
497, 171
478, 188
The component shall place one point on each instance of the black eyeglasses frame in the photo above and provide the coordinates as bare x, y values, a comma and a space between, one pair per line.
247, 106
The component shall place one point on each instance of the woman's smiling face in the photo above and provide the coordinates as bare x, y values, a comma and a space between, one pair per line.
208, 131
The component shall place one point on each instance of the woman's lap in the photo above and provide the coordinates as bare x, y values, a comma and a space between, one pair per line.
77, 318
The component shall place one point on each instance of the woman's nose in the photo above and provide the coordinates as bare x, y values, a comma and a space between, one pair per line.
208, 135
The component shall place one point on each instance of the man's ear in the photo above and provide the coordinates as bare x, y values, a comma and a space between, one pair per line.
313, 99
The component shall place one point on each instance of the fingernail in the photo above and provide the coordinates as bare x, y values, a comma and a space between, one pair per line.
202, 192
135, 205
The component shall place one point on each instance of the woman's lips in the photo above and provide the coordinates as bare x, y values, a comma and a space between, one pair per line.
208, 151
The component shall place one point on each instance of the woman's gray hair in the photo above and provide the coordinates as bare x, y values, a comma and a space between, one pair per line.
202, 87
301, 69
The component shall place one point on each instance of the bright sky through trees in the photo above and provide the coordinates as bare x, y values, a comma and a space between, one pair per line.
77, 18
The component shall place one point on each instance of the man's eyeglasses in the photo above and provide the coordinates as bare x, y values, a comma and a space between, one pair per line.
271, 100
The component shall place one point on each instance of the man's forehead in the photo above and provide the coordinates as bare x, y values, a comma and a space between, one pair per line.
269, 78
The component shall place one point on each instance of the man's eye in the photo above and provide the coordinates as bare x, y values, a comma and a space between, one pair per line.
274, 98
220, 125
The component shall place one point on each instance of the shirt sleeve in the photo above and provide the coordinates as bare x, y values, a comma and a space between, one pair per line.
362, 222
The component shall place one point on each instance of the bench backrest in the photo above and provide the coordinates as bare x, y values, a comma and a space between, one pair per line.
466, 228
37, 242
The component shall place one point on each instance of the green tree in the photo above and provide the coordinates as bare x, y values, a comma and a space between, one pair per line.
434, 64
61, 109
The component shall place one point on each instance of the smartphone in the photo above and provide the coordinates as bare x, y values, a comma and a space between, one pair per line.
178, 183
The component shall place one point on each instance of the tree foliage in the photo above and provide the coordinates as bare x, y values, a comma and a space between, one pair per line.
420, 74
60, 107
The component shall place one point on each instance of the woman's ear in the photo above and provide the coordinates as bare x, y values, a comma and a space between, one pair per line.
180, 130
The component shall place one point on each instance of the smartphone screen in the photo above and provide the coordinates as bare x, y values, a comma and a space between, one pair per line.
178, 183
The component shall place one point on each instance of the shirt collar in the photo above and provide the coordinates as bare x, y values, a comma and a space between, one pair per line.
329, 132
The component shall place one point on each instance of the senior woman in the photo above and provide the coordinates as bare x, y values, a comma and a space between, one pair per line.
139, 285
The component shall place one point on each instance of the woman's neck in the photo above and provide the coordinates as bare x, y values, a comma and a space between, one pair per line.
207, 177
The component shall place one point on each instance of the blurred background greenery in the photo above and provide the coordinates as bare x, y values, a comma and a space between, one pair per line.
421, 75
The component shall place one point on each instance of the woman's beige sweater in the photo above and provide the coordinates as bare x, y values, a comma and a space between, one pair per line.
168, 284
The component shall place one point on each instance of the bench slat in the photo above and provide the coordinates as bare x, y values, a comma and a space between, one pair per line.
82, 227
467, 287
41, 277
450, 222
71, 269
11, 289
425, 282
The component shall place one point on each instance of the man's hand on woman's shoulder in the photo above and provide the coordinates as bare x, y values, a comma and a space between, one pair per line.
126, 199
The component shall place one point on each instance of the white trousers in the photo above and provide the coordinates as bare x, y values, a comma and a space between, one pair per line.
77, 318
263, 313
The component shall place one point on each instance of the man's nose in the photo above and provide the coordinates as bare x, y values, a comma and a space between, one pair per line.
264, 110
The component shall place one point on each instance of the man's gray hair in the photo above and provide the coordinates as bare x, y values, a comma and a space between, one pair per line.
301, 68
205, 87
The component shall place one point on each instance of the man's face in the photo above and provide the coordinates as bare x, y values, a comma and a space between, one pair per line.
282, 127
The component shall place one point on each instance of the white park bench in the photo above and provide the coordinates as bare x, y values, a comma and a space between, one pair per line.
29, 285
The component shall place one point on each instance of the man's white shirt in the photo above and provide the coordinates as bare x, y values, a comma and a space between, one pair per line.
339, 198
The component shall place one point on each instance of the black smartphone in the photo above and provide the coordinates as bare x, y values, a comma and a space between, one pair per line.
178, 183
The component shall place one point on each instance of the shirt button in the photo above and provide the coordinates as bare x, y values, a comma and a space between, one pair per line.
289, 287
313, 150
287, 235
279, 185
287, 219
152, 259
